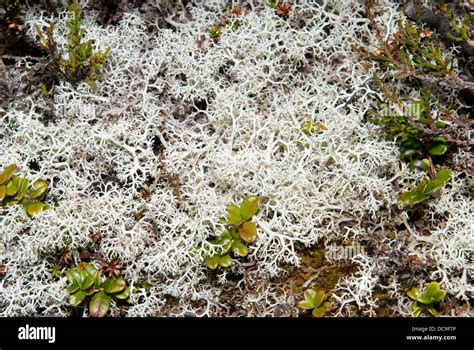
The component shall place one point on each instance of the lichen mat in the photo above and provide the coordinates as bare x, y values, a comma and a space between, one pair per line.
227, 119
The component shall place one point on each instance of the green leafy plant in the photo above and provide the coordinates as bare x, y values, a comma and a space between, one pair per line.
17, 190
417, 132
86, 287
425, 300
82, 62
315, 300
240, 231
425, 188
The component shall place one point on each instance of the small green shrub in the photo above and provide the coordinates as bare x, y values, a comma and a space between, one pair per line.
17, 190
86, 287
425, 188
424, 301
82, 62
240, 231
416, 58
413, 52
316, 300
416, 132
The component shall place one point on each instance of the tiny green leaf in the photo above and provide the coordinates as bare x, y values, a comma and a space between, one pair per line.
38, 188
12, 188
412, 197
248, 231
438, 146
72, 275
410, 148
85, 280
327, 306
99, 304
114, 285
73, 287
438, 150
431, 309
233, 215
249, 207
306, 304
22, 188
443, 175
433, 293
34, 208
91, 270
124, 294
225, 260
310, 294
413, 293
77, 298
212, 262
7, 173
240, 249
433, 185
321, 311
319, 298
225, 240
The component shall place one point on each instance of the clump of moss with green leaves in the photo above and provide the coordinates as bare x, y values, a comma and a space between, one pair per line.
16, 190
82, 62
240, 231
86, 287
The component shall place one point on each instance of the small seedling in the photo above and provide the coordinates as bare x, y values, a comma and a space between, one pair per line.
86, 287
316, 300
82, 62
17, 190
425, 300
240, 232
425, 188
